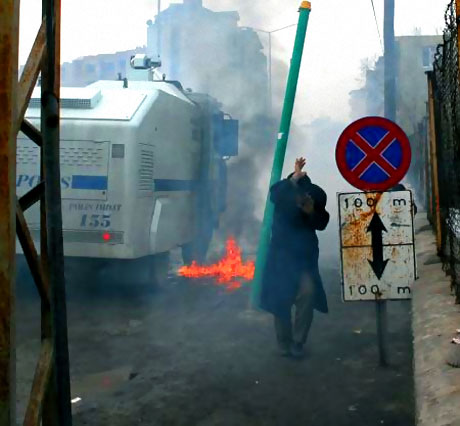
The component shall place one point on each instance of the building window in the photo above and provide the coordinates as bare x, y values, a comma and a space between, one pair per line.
108, 69
175, 55
428, 56
90, 68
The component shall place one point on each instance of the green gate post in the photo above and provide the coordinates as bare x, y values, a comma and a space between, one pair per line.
280, 152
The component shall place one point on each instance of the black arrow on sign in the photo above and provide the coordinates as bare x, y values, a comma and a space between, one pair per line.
376, 228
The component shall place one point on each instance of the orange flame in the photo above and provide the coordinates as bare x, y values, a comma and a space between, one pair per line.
229, 267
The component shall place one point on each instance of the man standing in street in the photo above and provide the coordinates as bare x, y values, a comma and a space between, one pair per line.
291, 275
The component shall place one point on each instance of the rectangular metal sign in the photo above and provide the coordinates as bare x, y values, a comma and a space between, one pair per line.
377, 245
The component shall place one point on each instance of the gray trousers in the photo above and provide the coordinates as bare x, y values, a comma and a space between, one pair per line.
297, 331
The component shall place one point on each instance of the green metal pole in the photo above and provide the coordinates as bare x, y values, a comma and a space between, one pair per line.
281, 145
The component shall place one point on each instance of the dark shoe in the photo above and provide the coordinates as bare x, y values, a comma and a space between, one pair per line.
284, 349
297, 350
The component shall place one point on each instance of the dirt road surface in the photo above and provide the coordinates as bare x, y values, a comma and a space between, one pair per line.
190, 353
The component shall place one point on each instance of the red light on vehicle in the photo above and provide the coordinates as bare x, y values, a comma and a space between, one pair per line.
106, 236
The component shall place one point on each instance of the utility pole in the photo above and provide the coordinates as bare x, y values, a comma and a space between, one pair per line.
281, 146
159, 30
390, 60
269, 65
390, 113
270, 88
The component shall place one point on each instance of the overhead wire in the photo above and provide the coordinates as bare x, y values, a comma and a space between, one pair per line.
377, 25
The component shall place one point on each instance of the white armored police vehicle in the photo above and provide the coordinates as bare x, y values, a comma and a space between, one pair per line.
142, 172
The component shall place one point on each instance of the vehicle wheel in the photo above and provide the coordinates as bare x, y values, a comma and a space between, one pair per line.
145, 272
87, 277
149, 271
83, 271
198, 248
159, 268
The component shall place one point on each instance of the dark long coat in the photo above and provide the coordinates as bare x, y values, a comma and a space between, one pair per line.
293, 247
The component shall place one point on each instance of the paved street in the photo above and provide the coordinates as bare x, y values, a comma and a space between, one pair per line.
192, 354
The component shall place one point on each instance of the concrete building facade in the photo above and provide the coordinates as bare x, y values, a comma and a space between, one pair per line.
88, 69
208, 52
415, 56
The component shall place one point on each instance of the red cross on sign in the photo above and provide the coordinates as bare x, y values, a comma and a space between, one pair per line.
373, 154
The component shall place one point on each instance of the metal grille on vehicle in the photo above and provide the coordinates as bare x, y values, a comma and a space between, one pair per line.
28, 154
82, 156
70, 156
87, 98
146, 170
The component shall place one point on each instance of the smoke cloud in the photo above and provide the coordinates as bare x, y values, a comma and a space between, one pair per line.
313, 135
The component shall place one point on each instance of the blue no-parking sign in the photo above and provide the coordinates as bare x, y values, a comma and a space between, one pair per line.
373, 154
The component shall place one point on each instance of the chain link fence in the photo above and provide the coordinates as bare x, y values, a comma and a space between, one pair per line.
446, 106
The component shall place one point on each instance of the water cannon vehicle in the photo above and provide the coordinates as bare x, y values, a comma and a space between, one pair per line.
143, 171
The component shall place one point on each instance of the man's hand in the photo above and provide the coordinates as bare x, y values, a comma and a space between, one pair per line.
299, 165
308, 204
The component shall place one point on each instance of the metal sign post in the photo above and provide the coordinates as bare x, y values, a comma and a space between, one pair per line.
377, 250
382, 331
373, 154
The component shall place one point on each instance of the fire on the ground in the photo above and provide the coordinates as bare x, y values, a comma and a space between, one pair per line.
226, 271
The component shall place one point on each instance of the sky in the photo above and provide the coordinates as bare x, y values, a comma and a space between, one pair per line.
339, 37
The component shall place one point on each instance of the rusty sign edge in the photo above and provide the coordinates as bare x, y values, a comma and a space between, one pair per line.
342, 247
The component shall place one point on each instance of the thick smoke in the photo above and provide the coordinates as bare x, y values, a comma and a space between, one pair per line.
315, 127
250, 172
